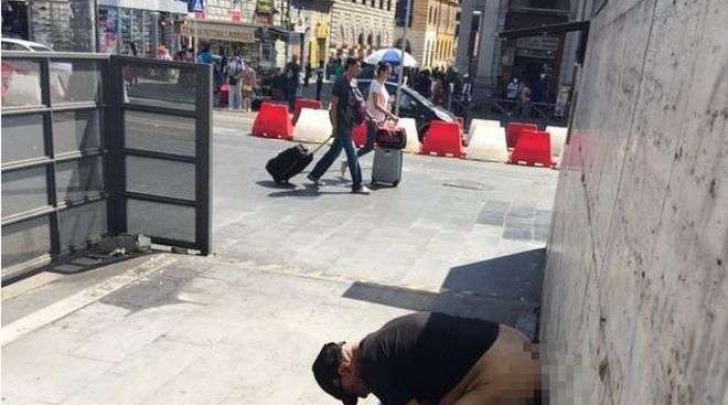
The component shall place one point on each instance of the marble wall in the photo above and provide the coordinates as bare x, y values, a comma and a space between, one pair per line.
636, 287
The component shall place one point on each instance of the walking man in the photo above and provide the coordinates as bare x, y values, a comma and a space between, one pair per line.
293, 77
342, 114
431, 358
234, 72
319, 79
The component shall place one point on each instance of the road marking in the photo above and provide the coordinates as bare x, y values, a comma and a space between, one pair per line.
81, 299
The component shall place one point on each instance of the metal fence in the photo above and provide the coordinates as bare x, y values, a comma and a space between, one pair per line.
505, 111
97, 145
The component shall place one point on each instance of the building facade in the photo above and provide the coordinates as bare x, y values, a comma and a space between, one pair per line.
311, 30
432, 31
64, 25
540, 61
358, 27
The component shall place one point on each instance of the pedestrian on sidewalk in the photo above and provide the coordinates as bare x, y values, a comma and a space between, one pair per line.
378, 108
293, 78
525, 99
345, 98
234, 73
307, 74
250, 82
432, 358
319, 79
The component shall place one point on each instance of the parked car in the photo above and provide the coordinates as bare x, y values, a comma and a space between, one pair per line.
21, 83
412, 105
13, 44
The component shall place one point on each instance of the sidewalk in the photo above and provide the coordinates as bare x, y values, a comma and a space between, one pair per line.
292, 269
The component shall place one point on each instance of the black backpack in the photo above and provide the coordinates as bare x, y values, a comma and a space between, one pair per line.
359, 106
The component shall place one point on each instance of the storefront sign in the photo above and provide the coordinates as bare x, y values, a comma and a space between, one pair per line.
220, 32
170, 6
264, 7
322, 30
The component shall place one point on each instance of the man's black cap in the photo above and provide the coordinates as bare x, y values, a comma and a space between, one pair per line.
326, 372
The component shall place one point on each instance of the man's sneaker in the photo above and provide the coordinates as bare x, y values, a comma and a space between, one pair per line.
313, 180
344, 166
361, 190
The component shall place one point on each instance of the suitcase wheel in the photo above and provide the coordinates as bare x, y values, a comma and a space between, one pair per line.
374, 183
395, 183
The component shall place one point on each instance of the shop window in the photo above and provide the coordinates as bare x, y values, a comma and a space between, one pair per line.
389, 5
266, 51
370, 40
361, 39
381, 4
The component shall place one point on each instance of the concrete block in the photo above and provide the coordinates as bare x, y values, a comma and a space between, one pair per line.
313, 126
475, 123
488, 143
410, 128
558, 139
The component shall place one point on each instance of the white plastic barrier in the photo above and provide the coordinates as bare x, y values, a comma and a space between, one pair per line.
558, 139
410, 128
476, 123
488, 143
312, 126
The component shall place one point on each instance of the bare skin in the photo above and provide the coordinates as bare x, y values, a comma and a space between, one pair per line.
507, 374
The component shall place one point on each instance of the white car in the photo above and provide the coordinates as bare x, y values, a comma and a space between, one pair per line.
27, 90
13, 44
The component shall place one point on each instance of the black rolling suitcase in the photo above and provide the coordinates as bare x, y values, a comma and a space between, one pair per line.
291, 162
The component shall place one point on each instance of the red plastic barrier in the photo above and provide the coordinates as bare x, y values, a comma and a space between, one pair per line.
302, 103
533, 147
443, 139
514, 129
273, 121
461, 122
360, 135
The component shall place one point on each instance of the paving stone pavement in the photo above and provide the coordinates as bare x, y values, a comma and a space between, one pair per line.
291, 270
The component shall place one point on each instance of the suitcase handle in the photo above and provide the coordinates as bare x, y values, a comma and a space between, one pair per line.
322, 144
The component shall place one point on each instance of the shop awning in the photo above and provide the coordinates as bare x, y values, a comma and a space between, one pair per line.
169, 6
219, 30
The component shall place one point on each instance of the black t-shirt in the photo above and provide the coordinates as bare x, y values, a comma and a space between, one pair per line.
422, 356
293, 73
344, 110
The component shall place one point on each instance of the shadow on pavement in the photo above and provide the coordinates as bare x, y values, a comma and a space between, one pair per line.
505, 289
274, 185
308, 190
515, 277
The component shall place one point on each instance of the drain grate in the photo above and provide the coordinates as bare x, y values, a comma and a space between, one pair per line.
464, 184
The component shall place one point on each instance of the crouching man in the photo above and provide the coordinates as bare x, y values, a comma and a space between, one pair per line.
432, 358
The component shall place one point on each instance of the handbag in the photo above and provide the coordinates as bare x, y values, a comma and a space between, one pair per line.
390, 137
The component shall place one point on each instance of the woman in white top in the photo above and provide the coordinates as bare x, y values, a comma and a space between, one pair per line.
378, 106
